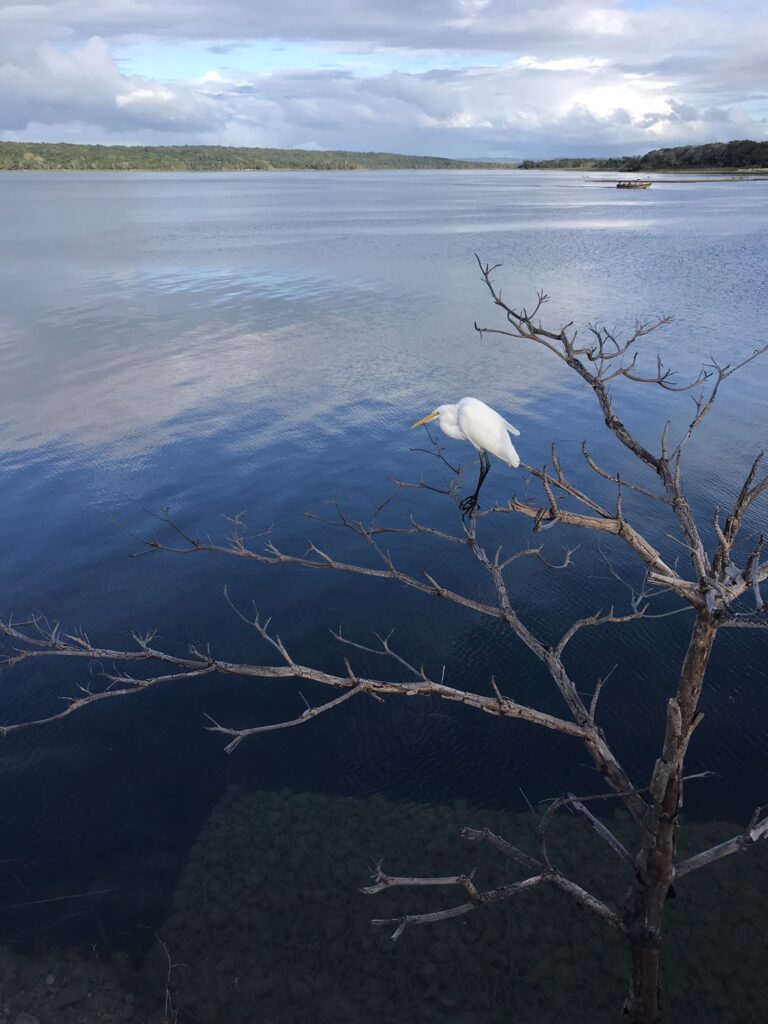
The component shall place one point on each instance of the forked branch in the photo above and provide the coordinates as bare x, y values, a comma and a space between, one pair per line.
199, 663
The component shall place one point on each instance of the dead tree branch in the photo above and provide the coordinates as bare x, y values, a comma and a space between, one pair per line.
755, 832
199, 663
602, 830
486, 899
483, 899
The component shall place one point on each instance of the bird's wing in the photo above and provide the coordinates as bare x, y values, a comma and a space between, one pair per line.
511, 429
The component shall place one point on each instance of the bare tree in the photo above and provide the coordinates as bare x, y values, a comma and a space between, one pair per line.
718, 586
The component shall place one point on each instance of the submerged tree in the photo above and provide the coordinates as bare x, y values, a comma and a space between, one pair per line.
719, 586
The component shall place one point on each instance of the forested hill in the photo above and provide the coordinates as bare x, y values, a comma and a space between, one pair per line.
60, 156
743, 154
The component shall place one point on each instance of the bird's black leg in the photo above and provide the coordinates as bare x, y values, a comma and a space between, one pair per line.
471, 504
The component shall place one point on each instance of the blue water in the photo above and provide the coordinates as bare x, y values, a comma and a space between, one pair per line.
219, 344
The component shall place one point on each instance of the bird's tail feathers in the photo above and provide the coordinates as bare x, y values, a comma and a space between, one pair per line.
514, 460
511, 429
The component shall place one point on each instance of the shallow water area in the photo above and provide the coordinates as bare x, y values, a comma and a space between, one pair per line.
267, 922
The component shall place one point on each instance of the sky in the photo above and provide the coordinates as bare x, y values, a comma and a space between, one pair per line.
462, 78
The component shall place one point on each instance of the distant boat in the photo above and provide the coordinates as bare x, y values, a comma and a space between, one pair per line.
635, 183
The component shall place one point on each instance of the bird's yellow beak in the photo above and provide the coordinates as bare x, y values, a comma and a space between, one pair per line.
426, 419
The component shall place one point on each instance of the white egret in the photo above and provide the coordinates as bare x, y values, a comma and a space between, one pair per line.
474, 421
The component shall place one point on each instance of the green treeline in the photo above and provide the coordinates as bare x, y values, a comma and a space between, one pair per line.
62, 156
738, 155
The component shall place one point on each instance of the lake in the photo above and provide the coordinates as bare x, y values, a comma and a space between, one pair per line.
219, 344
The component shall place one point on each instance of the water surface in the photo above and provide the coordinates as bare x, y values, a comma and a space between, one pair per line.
255, 343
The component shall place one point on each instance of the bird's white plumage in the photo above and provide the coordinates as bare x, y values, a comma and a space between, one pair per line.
474, 421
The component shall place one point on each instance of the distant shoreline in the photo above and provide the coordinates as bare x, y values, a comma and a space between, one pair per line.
237, 170
735, 172
739, 159
64, 156
673, 176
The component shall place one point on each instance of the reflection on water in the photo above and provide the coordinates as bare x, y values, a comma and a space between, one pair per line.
218, 343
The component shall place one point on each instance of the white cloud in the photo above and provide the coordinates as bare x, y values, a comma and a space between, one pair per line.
162, 107
603, 22
560, 77
565, 64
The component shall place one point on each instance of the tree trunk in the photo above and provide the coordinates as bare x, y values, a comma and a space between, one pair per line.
642, 920
642, 1005
654, 864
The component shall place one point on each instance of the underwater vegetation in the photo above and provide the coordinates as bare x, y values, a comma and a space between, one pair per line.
270, 922
265, 924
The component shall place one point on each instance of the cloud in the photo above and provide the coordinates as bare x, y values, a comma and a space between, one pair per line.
493, 75
50, 83
495, 26
166, 108
83, 84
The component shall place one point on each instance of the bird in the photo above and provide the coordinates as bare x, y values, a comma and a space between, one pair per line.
474, 421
